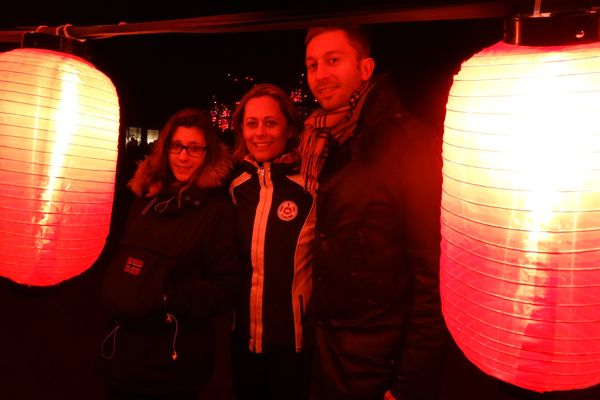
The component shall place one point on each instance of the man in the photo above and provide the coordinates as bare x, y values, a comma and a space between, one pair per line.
378, 328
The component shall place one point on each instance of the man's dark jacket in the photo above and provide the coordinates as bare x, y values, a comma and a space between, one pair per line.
376, 301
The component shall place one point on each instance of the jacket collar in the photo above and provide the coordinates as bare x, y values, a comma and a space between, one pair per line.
288, 163
382, 102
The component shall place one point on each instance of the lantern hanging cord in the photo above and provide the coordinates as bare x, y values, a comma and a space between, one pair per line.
63, 30
537, 7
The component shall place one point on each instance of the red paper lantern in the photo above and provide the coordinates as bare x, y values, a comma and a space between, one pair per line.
59, 126
520, 265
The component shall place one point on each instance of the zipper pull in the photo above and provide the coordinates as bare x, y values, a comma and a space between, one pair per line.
261, 173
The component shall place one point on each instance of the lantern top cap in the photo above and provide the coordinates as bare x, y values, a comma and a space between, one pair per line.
564, 27
61, 41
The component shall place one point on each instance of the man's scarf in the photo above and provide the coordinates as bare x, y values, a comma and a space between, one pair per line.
321, 128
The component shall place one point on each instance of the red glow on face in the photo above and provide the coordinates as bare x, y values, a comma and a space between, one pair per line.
520, 265
59, 124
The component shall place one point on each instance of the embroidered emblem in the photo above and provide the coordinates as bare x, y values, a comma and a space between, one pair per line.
133, 266
287, 210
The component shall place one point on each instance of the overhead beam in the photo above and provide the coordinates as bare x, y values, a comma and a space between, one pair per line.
277, 20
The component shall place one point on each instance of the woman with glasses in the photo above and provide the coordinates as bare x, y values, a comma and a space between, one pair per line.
276, 226
175, 269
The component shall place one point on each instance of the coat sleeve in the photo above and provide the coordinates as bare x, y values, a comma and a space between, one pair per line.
211, 288
426, 333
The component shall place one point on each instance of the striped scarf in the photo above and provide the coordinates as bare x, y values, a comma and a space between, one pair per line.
322, 127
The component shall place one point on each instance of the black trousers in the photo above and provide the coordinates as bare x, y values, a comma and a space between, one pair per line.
272, 375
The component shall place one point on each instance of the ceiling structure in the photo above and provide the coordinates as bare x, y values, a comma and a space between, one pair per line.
229, 18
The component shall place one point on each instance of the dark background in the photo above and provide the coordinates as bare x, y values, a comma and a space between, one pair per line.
50, 337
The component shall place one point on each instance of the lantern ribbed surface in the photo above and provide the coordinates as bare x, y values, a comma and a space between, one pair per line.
520, 264
59, 128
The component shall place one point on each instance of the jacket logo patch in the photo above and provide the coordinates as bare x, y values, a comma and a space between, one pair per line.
133, 266
287, 210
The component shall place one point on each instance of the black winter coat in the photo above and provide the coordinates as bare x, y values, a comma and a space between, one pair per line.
376, 268
276, 226
176, 267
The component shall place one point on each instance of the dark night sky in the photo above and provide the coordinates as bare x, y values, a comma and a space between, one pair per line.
157, 74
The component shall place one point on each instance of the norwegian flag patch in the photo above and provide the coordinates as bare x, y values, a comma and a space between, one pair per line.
133, 266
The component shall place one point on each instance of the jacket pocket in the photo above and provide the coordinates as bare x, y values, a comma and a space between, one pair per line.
134, 284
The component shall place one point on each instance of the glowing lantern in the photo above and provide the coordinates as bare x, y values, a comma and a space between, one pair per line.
59, 126
520, 265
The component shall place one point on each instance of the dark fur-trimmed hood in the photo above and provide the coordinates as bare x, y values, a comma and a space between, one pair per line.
211, 175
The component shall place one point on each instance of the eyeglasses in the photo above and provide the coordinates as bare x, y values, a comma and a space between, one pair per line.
194, 150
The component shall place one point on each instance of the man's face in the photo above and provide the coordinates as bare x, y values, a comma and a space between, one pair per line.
334, 70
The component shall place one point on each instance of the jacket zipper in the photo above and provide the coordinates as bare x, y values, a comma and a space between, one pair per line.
256, 294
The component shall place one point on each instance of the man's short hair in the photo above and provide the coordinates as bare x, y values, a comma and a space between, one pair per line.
358, 37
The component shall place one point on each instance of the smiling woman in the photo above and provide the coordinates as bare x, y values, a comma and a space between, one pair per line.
265, 129
276, 221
